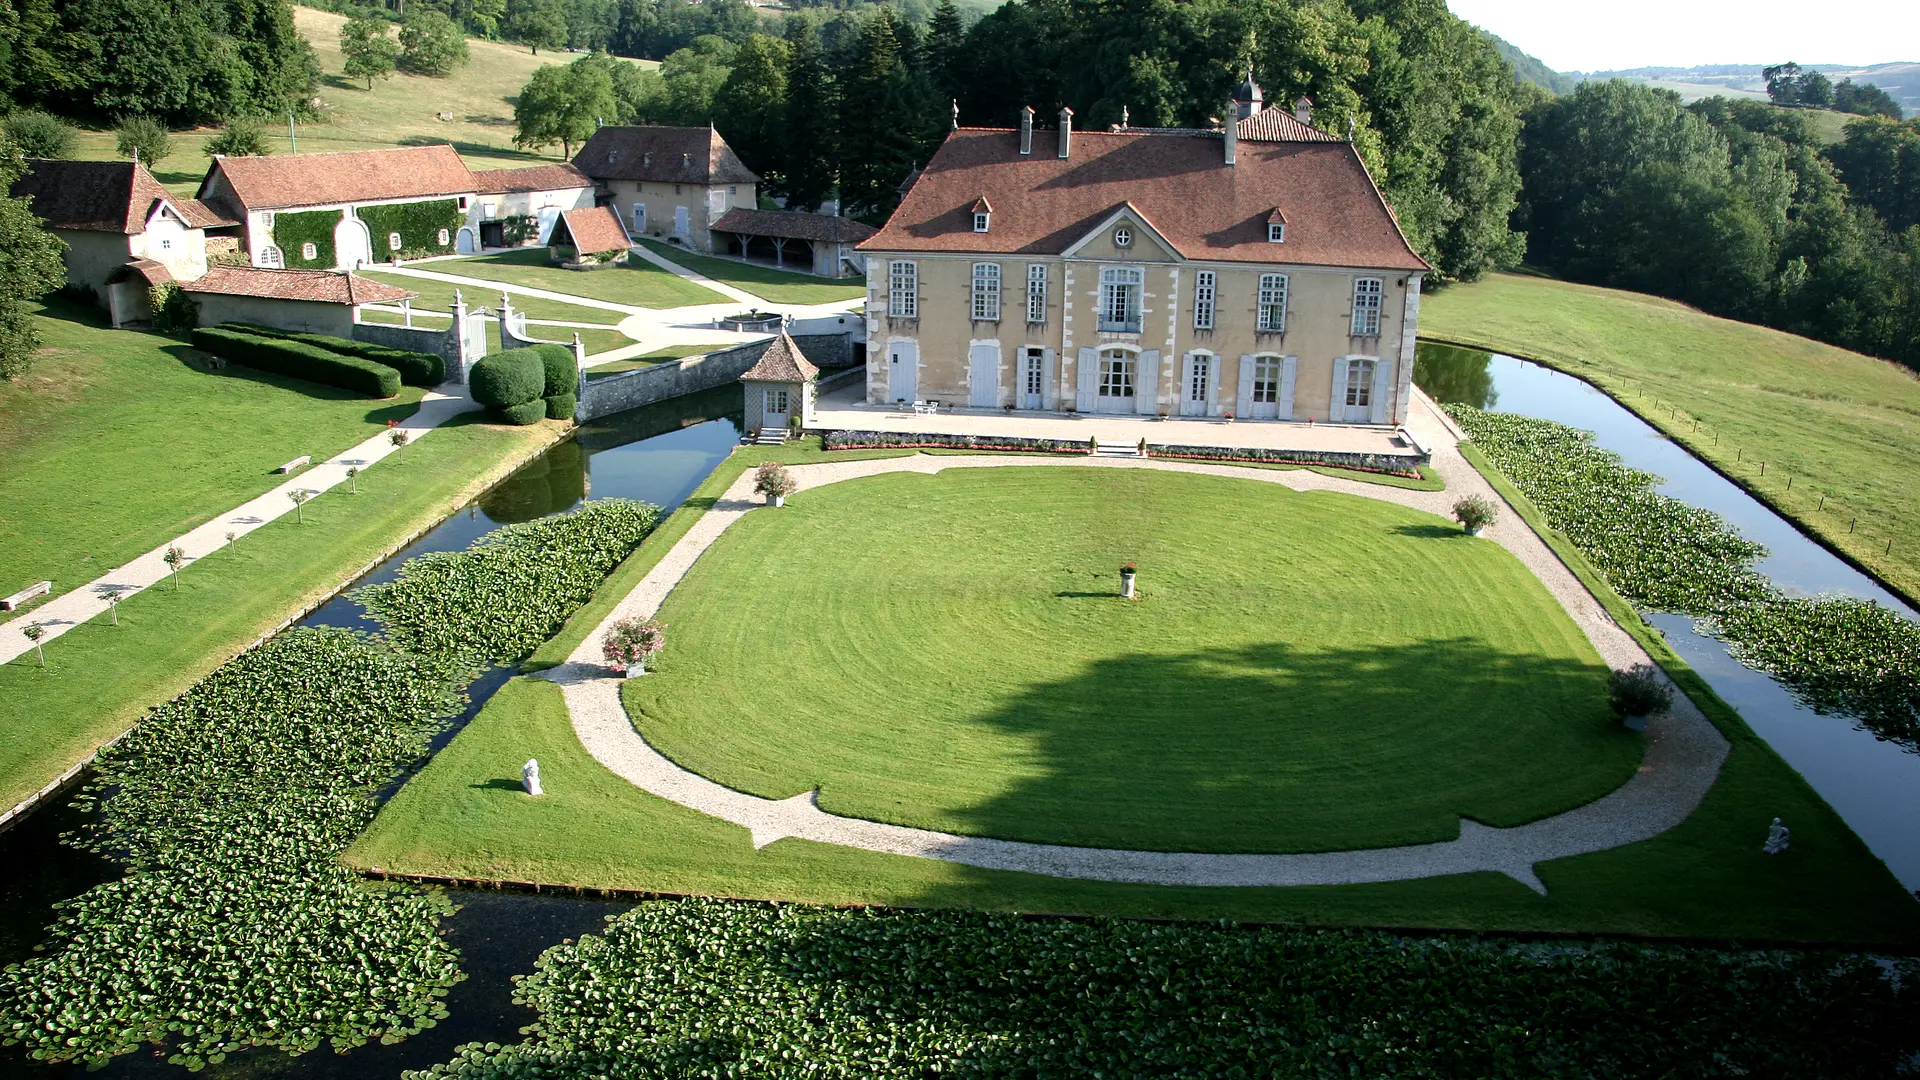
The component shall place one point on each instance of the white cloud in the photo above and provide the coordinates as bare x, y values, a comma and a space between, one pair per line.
1683, 33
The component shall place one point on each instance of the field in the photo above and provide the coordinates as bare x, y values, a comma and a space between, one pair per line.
637, 283
116, 442
398, 111
1840, 425
773, 286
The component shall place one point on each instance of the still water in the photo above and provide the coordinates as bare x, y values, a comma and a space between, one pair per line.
658, 454
1874, 785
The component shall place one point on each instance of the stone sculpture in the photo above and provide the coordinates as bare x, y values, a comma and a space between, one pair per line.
530, 778
1776, 838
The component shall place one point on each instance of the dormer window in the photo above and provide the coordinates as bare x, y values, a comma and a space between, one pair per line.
980, 222
982, 214
1123, 237
1276, 232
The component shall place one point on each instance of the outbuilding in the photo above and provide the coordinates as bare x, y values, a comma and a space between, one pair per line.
780, 388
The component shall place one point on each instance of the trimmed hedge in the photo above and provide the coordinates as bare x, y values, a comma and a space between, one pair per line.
298, 360
513, 377
562, 406
562, 371
527, 412
415, 368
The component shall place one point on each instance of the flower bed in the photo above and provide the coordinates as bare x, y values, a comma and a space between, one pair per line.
720, 988
1837, 655
896, 440
1373, 463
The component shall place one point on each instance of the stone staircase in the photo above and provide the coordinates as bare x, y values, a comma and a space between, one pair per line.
1116, 449
769, 436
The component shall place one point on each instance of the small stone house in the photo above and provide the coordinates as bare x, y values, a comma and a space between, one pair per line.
588, 239
507, 201
669, 183
780, 388
311, 301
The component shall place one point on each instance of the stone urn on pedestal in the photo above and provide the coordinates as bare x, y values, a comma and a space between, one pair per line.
1127, 575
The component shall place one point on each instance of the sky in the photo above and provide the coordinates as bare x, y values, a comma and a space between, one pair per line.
1572, 36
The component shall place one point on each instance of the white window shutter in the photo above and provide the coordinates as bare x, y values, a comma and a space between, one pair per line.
1087, 381
1243, 398
1049, 396
1213, 385
1287, 371
1186, 380
1337, 409
1146, 389
1382, 385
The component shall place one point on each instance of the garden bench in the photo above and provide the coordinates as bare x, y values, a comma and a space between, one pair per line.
37, 589
300, 462
926, 408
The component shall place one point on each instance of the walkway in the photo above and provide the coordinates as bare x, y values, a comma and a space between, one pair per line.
1683, 758
69, 610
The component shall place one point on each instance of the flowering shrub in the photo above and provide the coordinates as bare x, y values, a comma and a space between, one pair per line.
1638, 691
774, 481
1474, 512
630, 641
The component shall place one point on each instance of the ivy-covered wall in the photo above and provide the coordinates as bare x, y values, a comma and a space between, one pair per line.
419, 225
293, 230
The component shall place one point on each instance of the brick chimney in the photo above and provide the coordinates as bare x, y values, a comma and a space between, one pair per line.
1066, 131
1231, 130
1026, 131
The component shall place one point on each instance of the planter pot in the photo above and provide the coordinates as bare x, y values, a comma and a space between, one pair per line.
1634, 723
1474, 530
1126, 586
776, 500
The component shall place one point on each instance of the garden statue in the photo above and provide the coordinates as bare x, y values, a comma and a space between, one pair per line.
1776, 838
530, 777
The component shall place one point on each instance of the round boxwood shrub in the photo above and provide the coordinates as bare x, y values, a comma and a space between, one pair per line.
561, 406
513, 377
527, 412
562, 373
1638, 691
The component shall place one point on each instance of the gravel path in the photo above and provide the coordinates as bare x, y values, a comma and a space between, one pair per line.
1683, 758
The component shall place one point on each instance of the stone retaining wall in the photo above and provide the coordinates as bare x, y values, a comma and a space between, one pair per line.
692, 374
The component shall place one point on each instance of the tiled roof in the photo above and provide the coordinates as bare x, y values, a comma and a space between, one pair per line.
672, 155
292, 180
103, 196
1205, 208
320, 286
147, 270
793, 225
782, 362
591, 230
531, 178
1278, 125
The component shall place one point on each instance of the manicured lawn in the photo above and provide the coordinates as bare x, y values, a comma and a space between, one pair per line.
634, 363
1841, 425
114, 443
772, 285
596, 341
100, 678
637, 283
438, 296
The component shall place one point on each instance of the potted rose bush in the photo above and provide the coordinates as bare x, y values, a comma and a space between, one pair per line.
1474, 513
629, 642
775, 482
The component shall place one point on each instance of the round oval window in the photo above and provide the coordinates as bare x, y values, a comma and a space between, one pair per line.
1122, 237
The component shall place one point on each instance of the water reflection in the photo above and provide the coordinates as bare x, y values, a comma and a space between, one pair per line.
1455, 375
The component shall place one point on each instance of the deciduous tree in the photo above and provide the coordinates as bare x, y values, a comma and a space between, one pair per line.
563, 105
370, 54
143, 139
30, 266
536, 24
430, 44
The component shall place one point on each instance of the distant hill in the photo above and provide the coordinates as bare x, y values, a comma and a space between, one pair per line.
1901, 81
1529, 68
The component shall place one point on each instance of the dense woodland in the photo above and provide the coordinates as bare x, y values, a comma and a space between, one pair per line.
1733, 206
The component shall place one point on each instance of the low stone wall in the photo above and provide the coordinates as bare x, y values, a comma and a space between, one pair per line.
444, 343
834, 350
840, 378
692, 374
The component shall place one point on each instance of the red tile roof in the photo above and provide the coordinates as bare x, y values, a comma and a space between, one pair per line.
782, 362
292, 180
1278, 125
590, 230
530, 178
103, 196
1206, 208
319, 286
793, 225
673, 155
147, 270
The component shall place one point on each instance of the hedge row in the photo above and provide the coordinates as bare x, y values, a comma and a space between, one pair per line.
520, 386
415, 368
298, 360
896, 440
1373, 463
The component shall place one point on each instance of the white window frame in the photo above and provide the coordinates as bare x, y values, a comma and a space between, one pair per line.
1268, 370
309, 251
1273, 304
986, 292
1368, 296
1036, 292
271, 257
1033, 372
1360, 384
1119, 369
1276, 232
393, 241
980, 222
903, 289
1205, 293
1123, 237
444, 237
1120, 289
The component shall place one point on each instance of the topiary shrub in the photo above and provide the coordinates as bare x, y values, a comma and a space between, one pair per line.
298, 360
513, 377
415, 368
562, 372
527, 412
562, 406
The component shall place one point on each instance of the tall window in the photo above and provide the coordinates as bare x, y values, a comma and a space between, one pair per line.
1273, 303
986, 291
1360, 384
1116, 373
270, 256
1036, 372
1199, 377
1203, 300
1366, 306
1266, 379
1120, 300
903, 290
1036, 293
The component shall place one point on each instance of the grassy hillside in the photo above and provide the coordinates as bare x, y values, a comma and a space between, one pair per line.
397, 111
1841, 425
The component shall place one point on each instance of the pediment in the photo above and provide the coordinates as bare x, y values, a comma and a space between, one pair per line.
1102, 242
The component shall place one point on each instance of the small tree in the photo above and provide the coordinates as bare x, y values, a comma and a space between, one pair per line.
172, 309
430, 44
630, 641
233, 545
35, 632
173, 557
39, 135
536, 23
1638, 691
1475, 512
395, 434
143, 139
112, 597
240, 138
299, 497
563, 105
370, 54
774, 481
353, 479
